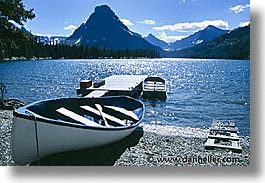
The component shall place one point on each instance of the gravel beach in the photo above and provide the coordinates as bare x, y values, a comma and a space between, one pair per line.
147, 146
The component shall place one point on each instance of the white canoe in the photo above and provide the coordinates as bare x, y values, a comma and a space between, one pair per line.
68, 124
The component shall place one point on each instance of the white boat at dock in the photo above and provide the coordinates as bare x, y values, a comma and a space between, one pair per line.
154, 88
68, 124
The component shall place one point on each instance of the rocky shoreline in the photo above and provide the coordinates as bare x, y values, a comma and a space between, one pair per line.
6, 117
25, 59
144, 147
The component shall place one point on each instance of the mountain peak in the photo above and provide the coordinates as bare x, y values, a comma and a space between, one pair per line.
103, 8
211, 27
103, 16
157, 42
104, 29
150, 35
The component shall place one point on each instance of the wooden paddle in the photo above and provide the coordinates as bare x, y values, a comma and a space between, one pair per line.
98, 106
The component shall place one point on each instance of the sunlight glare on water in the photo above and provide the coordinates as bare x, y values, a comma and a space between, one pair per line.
198, 90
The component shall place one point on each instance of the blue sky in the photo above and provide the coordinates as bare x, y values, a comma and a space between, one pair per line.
168, 20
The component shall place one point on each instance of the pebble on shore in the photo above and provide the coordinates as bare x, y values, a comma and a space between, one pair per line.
5, 137
152, 149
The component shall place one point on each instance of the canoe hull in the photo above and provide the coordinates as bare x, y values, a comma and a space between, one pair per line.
53, 136
152, 95
52, 139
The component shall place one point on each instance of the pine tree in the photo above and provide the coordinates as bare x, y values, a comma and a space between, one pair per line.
12, 13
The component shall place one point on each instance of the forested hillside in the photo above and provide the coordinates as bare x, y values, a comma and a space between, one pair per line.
232, 45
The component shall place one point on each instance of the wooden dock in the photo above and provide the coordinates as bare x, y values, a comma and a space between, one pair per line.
129, 85
223, 135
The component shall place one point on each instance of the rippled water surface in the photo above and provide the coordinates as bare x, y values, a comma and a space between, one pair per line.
198, 90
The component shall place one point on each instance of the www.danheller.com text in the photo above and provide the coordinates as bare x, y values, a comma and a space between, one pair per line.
191, 159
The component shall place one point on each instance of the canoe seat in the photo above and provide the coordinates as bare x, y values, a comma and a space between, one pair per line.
124, 111
107, 116
160, 83
77, 117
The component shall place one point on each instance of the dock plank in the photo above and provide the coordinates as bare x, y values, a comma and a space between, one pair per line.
211, 144
121, 84
223, 135
96, 93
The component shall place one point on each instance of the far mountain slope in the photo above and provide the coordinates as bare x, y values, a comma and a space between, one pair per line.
202, 36
155, 41
234, 44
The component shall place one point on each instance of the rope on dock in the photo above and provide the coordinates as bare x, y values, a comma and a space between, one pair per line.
9, 104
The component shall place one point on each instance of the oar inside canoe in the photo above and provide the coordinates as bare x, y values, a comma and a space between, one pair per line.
107, 116
98, 106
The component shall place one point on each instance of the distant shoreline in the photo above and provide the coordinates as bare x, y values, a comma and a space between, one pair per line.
50, 58
24, 59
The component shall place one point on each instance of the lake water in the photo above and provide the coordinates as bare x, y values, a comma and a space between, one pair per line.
198, 90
